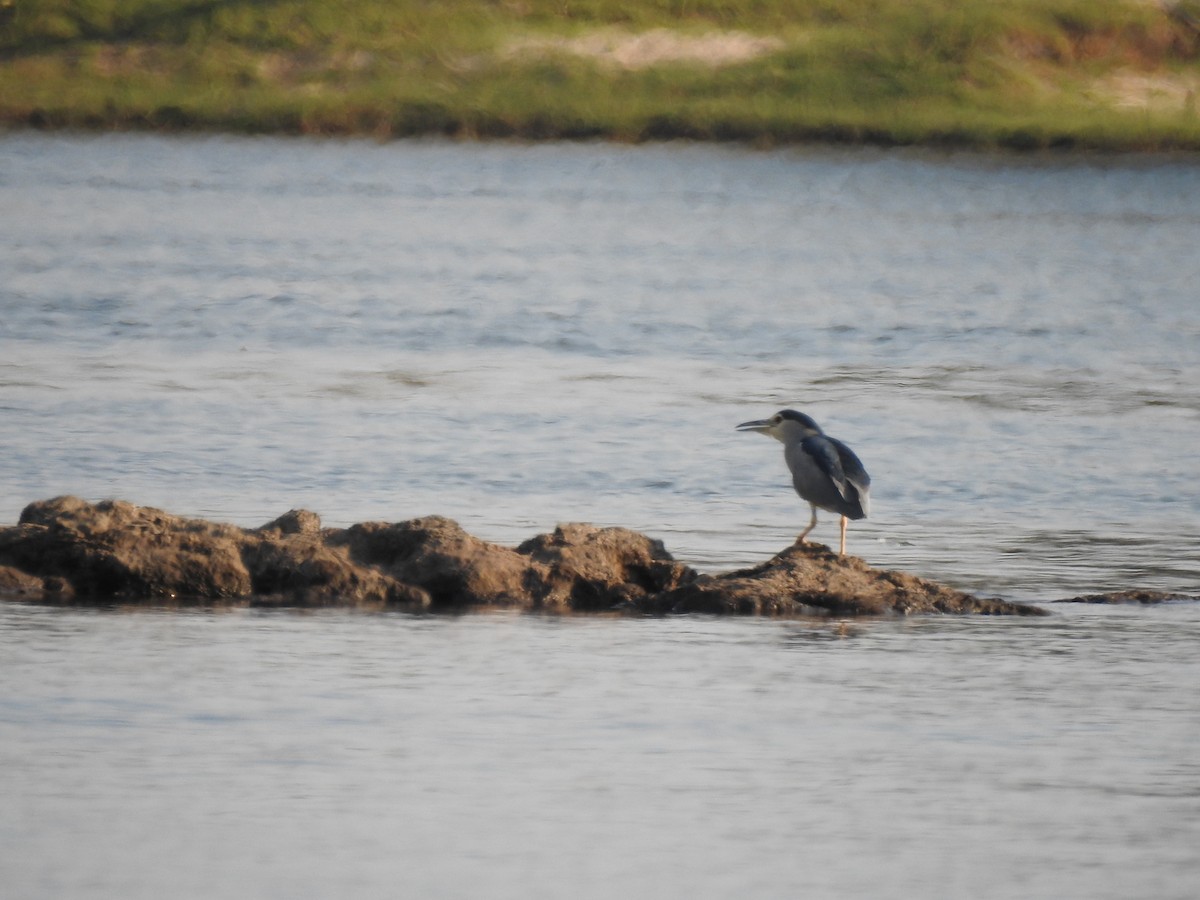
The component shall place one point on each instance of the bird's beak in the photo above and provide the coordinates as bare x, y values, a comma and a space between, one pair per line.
756, 425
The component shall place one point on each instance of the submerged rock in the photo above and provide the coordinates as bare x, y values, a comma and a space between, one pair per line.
67, 549
1137, 596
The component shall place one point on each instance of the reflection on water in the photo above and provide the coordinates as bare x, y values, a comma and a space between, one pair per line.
253, 754
515, 336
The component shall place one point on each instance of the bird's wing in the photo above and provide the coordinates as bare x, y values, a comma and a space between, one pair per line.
853, 470
824, 452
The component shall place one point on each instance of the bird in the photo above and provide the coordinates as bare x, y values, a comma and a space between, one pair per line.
825, 472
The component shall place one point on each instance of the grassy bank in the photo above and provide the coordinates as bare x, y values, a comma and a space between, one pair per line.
1107, 74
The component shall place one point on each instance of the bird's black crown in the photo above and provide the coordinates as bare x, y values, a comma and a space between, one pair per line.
805, 420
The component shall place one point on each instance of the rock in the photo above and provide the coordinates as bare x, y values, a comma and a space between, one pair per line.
577, 568
810, 579
295, 521
15, 583
116, 549
436, 555
592, 569
302, 570
68, 549
1144, 597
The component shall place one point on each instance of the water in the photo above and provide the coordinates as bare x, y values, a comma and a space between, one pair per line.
516, 336
270, 755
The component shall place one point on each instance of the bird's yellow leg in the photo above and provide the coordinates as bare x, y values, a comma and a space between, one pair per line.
811, 526
845, 521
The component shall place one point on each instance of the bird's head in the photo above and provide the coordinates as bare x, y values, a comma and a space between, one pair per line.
787, 425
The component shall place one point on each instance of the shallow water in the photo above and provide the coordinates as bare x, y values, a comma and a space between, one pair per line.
273, 755
515, 336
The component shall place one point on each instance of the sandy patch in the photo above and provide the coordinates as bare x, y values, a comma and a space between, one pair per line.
652, 48
1140, 91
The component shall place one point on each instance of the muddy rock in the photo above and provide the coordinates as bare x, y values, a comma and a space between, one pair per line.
810, 579
291, 560
69, 550
114, 548
591, 569
301, 569
15, 583
453, 568
294, 521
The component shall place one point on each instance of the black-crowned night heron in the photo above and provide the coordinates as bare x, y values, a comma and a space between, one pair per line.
825, 472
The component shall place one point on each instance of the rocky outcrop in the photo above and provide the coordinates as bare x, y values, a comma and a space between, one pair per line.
69, 550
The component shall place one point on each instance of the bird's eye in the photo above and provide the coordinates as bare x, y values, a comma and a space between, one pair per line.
776, 420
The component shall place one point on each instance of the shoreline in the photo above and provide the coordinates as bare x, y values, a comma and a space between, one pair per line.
966, 75
1018, 148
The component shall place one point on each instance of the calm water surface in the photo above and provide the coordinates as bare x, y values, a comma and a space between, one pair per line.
515, 336
270, 755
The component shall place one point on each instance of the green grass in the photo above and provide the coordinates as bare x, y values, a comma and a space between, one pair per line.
987, 73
